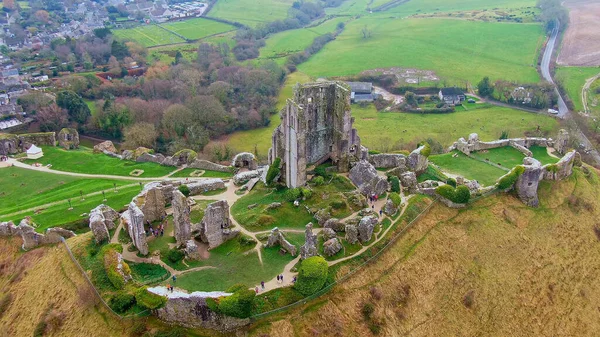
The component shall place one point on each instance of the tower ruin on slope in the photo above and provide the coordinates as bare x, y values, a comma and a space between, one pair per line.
316, 125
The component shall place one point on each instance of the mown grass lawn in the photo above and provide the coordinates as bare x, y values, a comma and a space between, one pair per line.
457, 50
573, 79
469, 168
84, 160
234, 264
251, 12
387, 131
507, 156
186, 172
23, 189
148, 35
197, 28
541, 154
59, 215
433, 6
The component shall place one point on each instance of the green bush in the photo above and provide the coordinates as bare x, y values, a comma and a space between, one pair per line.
396, 199
184, 189
148, 300
239, 304
318, 181
321, 171
175, 255
110, 267
426, 151
367, 310
451, 182
552, 168
395, 184
459, 195
306, 193
293, 194
273, 170
511, 178
338, 204
312, 275
121, 301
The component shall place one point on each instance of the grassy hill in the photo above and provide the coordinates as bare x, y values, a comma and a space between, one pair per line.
497, 268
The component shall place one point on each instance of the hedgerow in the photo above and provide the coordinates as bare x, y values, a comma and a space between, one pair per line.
459, 195
511, 178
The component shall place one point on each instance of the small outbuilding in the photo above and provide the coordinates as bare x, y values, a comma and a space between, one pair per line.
34, 152
361, 92
452, 95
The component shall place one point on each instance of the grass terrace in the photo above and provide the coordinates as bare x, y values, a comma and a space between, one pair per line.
467, 167
84, 160
507, 156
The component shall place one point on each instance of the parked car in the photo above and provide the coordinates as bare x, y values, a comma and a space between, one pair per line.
553, 111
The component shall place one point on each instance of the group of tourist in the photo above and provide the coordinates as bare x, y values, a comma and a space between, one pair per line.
160, 229
3, 158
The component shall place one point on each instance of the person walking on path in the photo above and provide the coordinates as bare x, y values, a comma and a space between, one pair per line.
262, 285
281, 278
277, 278
256, 289
380, 212
174, 278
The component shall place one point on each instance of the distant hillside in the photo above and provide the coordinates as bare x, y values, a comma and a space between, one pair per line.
495, 269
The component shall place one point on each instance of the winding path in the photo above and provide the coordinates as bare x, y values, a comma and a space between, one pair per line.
585, 90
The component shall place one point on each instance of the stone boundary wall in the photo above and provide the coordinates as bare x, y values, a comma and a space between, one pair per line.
32, 239
13, 144
521, 144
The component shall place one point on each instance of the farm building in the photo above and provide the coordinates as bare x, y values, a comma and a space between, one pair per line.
452, 95
361, 92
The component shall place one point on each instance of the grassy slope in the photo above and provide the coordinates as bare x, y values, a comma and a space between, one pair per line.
530, 272
85, 161
198, 28
279, 46
432, 6
251, 12
378, 130
573, 79
22, 189
349, 8
457, 50
261, 138
148, 36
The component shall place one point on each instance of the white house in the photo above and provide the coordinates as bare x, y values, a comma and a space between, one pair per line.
34, 152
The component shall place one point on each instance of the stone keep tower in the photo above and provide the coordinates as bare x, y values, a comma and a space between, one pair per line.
316, 125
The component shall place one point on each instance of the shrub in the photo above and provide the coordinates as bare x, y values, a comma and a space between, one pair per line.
184, 189
273, 170
318, 181
121, 301
4, 303
396, 199
367, 310
148, 300
321, 171
306, 193
426, 151
239, 304
312, 275
395, 184
338, 204
451, 182
110, 267
175, 255
459, 195
293, 194
510, 178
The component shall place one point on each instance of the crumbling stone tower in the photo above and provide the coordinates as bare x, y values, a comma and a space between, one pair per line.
316, 125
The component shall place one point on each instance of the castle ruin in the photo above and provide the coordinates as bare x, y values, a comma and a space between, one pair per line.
316, 126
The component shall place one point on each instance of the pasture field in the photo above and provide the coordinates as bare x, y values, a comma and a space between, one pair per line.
457, 50
467, 167
385, 131
581, 41
188, 50
84, 160
148, 36
279, 46
507, 156
261, 137
573, 79
23, 189
197, 28
432, 6
251, 12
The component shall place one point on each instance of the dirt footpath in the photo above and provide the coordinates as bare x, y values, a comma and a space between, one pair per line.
581, 42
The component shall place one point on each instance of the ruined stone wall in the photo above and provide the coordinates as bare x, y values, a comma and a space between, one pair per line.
68, 138
316, 125
32, 239
388, 160
521, 144
207, 165
563, 168
13, 144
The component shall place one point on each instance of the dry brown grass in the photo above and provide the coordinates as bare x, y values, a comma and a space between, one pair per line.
495, 269
581, 43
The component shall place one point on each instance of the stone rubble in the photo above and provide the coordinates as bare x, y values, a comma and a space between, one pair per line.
276, 238
309, 248
332, 246
351, 234
215, 225
365, 177
365, 228
182, 225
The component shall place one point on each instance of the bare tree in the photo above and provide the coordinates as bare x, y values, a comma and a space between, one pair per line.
366, 32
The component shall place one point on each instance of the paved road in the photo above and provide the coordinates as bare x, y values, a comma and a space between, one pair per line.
563, 111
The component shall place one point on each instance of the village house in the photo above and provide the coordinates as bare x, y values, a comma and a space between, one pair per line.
452, 95
361, 92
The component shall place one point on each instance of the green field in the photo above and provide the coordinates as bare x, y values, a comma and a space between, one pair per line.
432, 6
197, 28
469, 168
84, 160
541, 154
148, 35
207, 173
573, 79
349, 8
507, 156
387, 131
280, 45
251, 12
23, 189
261, 137
76, 219
457, 50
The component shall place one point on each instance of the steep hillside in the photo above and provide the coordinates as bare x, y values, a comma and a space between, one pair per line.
43, 285
495, 269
